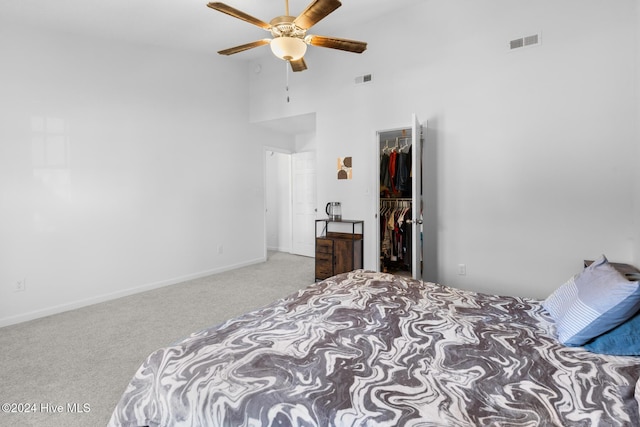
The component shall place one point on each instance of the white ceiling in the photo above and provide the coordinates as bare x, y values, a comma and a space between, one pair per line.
185, 24
191, 25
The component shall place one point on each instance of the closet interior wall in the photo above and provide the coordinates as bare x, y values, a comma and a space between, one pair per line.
395, 202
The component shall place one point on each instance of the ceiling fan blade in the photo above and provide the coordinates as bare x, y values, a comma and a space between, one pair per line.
298, 65
336, 43
221, 7
244, 47
315, 12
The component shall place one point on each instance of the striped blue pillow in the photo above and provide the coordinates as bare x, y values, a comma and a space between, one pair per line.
592, 302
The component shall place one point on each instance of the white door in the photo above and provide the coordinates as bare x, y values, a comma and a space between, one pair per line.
304, 203
416, 197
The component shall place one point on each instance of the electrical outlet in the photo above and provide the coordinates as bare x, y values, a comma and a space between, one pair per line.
20, 285
220, 249
462, 269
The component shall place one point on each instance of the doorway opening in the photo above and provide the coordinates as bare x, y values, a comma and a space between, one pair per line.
278, 200
399, 205
290, 201
290, 185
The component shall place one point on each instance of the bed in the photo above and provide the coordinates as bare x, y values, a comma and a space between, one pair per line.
372, 349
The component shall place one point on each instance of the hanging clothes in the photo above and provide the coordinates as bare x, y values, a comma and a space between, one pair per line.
392, 169
403, 174
408, 249
395, 235
385, 178
395, 206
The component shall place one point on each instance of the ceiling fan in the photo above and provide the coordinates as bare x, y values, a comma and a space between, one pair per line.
290, 38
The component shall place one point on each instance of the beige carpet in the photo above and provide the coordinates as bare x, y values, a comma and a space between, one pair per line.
70, 369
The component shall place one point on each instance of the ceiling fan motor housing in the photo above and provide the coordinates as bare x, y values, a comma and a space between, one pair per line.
288, 39
283, 26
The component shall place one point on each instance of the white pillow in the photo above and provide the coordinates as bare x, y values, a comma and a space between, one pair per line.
592, 302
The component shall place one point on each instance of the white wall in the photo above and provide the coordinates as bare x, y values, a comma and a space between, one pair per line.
536, 148
148, 169
305, 142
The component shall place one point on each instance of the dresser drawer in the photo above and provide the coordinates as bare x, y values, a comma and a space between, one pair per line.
323, 271
324, 246
326, 258
324, 265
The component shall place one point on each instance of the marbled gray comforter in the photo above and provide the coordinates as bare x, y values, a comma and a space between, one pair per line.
371, 349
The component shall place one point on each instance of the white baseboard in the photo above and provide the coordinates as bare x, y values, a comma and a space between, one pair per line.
61, 308
279, 249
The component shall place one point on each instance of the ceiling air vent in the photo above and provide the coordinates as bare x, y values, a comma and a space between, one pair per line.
515, 44
526, 41
530, 40
366, 78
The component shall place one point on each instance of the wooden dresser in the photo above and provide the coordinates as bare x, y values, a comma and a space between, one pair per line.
339, 247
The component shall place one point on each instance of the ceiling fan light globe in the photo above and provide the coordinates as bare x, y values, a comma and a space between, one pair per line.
288, 48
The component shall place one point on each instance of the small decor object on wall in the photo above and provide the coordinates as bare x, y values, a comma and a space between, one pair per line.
344, 168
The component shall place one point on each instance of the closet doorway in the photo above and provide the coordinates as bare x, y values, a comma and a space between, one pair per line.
399, 204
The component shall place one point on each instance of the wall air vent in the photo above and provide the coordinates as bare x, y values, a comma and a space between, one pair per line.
531, 40
526, 41
366, 78
515, 44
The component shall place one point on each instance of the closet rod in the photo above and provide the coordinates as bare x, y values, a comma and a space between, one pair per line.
396, 139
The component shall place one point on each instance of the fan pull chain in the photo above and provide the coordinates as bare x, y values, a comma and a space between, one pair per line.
286, 67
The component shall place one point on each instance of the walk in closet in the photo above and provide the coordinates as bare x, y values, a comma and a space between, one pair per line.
400, 200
